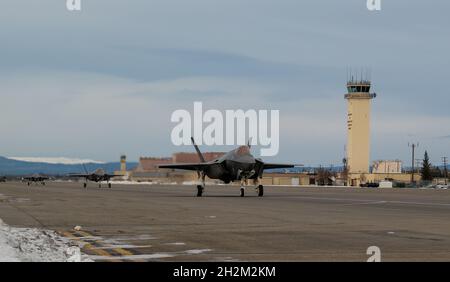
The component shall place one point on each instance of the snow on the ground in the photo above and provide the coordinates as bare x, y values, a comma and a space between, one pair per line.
128, 182
7, 253
36, 245
60, 160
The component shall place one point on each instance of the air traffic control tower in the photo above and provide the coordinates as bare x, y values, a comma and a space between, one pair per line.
358, 124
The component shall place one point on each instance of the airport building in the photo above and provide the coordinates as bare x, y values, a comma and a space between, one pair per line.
123, 167
387, 167
358, 169
147, 170
358, 129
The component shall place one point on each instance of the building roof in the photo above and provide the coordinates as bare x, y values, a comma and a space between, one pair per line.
151, 164
183, 157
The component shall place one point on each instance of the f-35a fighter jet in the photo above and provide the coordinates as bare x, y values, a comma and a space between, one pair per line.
238, 164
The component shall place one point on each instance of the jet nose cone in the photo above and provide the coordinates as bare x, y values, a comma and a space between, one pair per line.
244, 163
246, 159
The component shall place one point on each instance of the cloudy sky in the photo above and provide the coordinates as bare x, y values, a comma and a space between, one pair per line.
105, 81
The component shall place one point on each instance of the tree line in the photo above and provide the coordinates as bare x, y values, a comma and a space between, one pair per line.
429, 172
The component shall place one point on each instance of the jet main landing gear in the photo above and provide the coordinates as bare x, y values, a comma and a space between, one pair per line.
243, 183
201, 187
199, 190
260, 190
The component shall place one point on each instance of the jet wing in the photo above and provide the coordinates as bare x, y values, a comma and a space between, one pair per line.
78, 175
273, 166
37, 178
187, 166
113, 175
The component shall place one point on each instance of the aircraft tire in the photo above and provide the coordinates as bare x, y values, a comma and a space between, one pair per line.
84, 185
199, 190
260, 191
109, 185
242, 192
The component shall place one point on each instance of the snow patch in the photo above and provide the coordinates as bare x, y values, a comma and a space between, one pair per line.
67, 161
7, 253
197, 252
34, 245
129, 182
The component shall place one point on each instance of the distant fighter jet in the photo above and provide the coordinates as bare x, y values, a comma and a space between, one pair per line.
97, 176
3, 179
238, 164
35, 178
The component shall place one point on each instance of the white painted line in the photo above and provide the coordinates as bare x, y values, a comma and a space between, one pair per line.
372, 201
176, 244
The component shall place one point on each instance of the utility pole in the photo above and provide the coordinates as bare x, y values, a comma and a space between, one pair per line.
413, 147
444, 161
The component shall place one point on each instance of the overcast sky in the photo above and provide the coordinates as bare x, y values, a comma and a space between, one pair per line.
104, 81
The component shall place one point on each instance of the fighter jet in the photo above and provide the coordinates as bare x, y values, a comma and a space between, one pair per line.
238, 164
35, 178
97, 176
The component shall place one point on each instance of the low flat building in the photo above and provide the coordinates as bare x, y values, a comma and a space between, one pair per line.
387, 166
183, 157
148, 171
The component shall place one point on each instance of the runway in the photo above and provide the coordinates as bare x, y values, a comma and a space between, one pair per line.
168, 223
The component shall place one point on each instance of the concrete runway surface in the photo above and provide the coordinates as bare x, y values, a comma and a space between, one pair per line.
168, 223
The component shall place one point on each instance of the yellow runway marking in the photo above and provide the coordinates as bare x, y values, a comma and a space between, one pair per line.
95, 249
84, 233
123, 252
88, 246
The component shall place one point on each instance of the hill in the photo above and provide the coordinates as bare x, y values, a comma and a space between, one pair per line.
19, 168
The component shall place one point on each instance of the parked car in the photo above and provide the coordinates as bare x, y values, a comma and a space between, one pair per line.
442, 186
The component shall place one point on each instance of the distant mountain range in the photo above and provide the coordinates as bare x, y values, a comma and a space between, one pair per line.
11, 167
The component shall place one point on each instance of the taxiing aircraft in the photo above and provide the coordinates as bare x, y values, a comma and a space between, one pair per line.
35, 178
97, 176
238, 164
